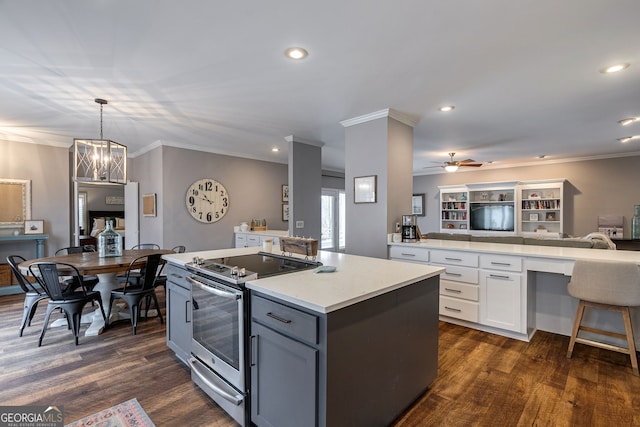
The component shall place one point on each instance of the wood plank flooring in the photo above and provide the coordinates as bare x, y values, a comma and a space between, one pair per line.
483, 379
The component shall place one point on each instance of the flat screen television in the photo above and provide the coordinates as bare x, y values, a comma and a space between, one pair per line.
492, 217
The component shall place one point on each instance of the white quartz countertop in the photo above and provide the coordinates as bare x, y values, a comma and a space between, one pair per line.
356, 278
528, 250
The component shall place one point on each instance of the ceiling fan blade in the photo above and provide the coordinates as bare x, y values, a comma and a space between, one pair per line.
475, 165
467, 161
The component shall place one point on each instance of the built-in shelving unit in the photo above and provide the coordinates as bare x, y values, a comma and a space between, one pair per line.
542, 208
454, 209
533, 208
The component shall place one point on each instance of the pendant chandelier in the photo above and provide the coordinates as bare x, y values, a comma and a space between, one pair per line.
99, 160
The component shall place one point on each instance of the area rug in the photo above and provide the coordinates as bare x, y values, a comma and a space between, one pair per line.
126, 414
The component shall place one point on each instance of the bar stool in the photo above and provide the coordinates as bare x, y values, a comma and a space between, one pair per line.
605, 285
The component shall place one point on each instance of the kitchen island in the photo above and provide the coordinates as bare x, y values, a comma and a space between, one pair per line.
354, 347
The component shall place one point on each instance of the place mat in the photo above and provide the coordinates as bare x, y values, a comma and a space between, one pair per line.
126, 414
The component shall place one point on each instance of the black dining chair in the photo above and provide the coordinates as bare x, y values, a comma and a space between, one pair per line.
138, 274
32, 294
161, 280
135, 294
71, 283
48, 275
146, 246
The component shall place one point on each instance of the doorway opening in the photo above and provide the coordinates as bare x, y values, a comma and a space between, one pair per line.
333, 220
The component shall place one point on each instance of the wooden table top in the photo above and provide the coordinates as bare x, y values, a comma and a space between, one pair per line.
91, 263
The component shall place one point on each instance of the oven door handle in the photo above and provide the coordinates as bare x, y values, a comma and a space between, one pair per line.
215, 291
195, 365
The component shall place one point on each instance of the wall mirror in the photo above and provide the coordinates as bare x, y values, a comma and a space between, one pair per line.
15, 199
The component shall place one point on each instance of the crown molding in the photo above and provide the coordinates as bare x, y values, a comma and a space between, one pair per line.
407, 119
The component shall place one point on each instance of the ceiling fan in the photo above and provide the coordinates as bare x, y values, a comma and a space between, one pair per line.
453, 165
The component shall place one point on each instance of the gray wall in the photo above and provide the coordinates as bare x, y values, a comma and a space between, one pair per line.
48, 169
254, 189
594, 187
305, 189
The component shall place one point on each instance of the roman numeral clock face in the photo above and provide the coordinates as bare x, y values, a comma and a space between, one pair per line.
207, 200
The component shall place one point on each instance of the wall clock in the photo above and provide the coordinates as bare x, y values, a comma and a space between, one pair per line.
207, 200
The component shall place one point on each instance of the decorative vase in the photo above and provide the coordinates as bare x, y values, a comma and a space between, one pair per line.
109, 242
635, 223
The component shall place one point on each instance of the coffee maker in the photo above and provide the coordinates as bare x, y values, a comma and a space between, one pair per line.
409, 228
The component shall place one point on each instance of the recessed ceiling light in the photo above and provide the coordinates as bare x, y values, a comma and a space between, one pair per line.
275, 149
446, 108
628, 121
296, 53
628, 138
614, 68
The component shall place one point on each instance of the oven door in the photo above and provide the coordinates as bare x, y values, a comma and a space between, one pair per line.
218, 329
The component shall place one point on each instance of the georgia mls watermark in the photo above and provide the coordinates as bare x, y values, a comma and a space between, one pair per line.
31, 416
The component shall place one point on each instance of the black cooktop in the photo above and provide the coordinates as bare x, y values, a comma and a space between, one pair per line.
258, 265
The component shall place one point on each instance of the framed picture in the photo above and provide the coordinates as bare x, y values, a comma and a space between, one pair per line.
285, 212
364, 189
533, 217
417, 204
149, 204
114, 200
551, 216
463, 226
285, 193
34, 226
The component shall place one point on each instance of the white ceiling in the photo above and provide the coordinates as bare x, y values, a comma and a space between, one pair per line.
211, 74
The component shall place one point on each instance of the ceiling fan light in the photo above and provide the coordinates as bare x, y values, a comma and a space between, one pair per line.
614, 68
628, 138
446, 108
451, 168
628, 121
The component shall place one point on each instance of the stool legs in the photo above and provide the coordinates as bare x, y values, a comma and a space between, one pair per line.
626, 317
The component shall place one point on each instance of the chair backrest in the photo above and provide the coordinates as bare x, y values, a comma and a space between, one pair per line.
150, 271
25, 284
69, 250
146, 246
606, 282
48, 275
179, 249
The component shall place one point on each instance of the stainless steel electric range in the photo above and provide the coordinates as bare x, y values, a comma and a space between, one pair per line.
220, 352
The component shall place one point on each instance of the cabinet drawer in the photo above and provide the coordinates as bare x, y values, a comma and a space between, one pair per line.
285, 319
501, 262
459, 290
459, 308
241, 240
253, 240
409, 253
177, 275
459, 274
455, 258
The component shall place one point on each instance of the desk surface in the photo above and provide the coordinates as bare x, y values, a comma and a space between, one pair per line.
91, 263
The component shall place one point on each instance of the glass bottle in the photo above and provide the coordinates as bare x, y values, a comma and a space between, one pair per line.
635, 223
109, 242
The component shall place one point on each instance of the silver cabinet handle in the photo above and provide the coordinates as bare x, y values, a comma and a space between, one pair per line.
453, 259
506, 264
499, 276
457, 291
453, 274
187, 318
403, 254
278, 318
453, 309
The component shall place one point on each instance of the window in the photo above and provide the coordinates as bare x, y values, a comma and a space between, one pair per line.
333, 220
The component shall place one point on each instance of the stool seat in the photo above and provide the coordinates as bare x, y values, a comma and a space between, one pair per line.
605, 285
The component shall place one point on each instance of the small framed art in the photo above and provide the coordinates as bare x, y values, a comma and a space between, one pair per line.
533, 217
285, 193
364, 189
417, 204
149, 204
285, 212
34, 226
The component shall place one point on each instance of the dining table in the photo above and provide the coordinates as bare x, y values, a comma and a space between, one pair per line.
107, 269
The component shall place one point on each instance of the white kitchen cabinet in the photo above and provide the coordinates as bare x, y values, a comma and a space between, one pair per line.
502, 297
408, 253
459, 293
454, 209
253, 239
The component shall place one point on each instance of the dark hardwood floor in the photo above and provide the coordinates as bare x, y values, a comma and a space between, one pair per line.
483, 379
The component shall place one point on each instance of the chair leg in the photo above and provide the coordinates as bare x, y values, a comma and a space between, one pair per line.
630, 340
106, 320
134, 310
50, 308
576, 328
155, 299
75, 324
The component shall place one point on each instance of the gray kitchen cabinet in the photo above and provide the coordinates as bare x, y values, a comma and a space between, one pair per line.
360, 365
178, 312
277, 356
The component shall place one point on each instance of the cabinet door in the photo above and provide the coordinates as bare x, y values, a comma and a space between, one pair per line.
501, 304
179, 320
283, 380
241, 240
